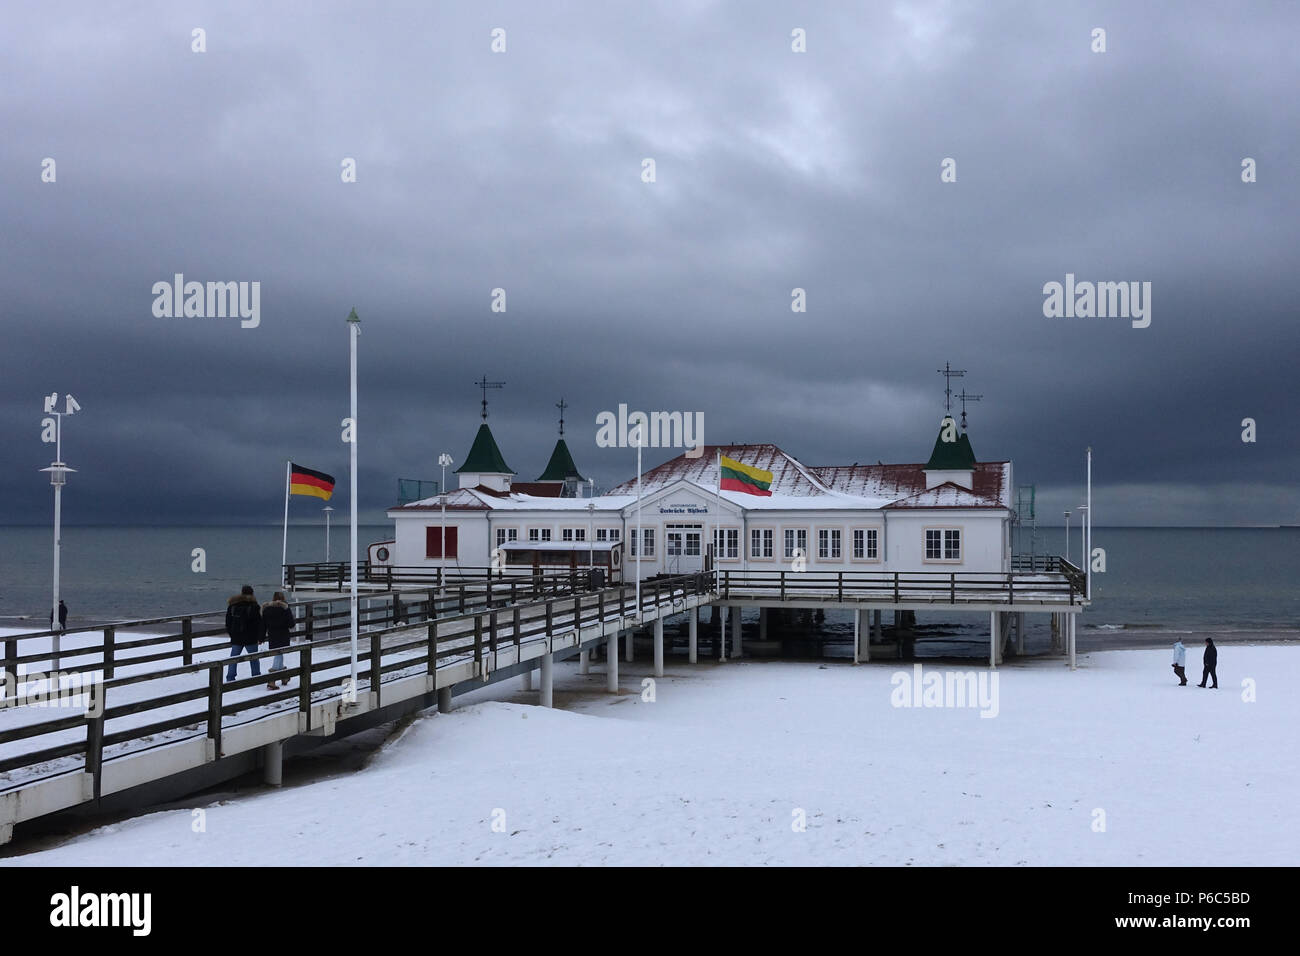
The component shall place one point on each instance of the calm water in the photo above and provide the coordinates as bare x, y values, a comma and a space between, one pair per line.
1195, 578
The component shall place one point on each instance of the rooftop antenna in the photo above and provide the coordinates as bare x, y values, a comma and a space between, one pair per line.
964, 399
484, 384
949, 374
561, 405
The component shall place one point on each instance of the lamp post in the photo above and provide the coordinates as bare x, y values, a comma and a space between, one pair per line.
444, 460
327, 509
58, 472
1066, 552
591, 534
1087, 567
1083, 534
640, 540
354, 325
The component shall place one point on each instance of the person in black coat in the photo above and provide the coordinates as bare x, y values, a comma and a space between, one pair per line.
244, 625
63, 617
1210, 660
277, 618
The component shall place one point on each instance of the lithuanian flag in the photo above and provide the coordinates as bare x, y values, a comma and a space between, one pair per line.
743, 478
304, 481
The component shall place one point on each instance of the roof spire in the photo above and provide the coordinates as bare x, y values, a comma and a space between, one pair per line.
484, 384
561, 405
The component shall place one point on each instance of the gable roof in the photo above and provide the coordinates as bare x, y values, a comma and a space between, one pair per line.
484, 456
946, 495
561, 466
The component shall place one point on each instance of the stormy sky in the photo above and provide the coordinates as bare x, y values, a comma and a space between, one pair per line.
523, 170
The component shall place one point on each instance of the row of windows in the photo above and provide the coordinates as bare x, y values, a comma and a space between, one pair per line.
941, 544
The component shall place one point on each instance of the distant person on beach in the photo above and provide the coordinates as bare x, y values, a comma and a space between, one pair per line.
63, 617
244, 625
1211, 661
277, 618
1180, 660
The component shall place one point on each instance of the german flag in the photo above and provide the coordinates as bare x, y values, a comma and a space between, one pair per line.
743, 478
304, 481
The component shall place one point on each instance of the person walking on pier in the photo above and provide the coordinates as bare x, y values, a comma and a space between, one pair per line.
1180, 661
277, 618
1211, 661
244, 625
63, 617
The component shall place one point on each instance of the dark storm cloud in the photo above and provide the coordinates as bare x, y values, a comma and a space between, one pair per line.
774, 170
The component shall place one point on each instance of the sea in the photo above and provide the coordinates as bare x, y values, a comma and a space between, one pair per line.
1160, 579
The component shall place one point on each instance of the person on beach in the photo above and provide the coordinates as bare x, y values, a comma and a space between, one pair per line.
244, 625
1180, 660
63, 617
277, 618
1211, 661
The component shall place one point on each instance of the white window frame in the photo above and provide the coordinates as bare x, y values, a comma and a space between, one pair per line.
834, 550
726, 543
648, 537
505, 535
766, 543
800, 535
868, 533
944, 531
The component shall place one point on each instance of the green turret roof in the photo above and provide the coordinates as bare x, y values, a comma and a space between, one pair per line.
484, 456
561, 466
951, 455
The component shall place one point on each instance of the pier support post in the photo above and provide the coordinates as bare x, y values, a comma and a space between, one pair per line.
611, 663
1070, 619
659, 647
878, 625
737, 645
584, 661
762, 623
628, 650
548, 676
861, 636
995, 638
273, 763
1020, 633
693, 638
722, 633
444, 700
528, 679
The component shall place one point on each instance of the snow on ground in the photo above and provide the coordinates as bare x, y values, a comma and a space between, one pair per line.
715, 770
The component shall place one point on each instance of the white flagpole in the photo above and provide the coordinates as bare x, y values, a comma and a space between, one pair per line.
355, 324
640, 540
284, 544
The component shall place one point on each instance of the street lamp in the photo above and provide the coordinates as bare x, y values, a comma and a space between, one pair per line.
444, 460
354, 330
58, 472
327, 509
640, 539
1067, 536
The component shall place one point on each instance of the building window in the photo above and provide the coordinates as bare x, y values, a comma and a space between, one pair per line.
506, 534
615, 534
648, 536
760, 543
866, 544
828, 543
796, 539
942, 544
726, 542
433, 541
539, 534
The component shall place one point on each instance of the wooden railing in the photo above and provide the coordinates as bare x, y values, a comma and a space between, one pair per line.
338, 575
1064, 586
408, 646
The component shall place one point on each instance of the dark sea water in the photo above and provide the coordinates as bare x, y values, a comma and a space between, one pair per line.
1169, 578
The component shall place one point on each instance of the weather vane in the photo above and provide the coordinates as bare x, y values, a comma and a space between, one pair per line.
561, 405
949, 374
485, 385
964, 399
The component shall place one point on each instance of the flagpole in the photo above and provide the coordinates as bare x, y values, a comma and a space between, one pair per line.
355, 323
284, 542
640, 540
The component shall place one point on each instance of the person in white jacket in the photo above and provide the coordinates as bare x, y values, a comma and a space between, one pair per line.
1180, 659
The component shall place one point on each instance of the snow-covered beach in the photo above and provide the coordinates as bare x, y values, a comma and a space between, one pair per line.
1113, 764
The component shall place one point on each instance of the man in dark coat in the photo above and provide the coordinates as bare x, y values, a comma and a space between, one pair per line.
244, 625
1210, 660
277, 618
63, 617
